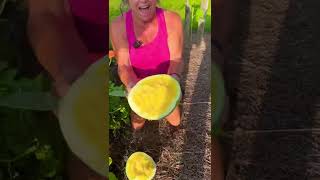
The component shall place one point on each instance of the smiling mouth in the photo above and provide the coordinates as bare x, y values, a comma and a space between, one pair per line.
144, 8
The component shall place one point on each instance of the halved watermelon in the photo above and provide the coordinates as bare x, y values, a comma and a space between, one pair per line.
155, 97
140, 166
82, 115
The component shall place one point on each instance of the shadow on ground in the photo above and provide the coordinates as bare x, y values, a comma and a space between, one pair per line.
275, 92
195, 116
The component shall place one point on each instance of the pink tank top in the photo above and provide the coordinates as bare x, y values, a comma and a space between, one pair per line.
154, 57
91, 21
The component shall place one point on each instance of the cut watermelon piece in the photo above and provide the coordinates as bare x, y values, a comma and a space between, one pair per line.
155, 97
82, 115
140, 166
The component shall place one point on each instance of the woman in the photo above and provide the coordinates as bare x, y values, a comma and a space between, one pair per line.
67, 36
147, 40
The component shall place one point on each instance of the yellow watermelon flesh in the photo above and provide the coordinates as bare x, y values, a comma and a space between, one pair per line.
140, 166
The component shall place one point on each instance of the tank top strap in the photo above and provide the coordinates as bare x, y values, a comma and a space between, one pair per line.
162, 23
129, 28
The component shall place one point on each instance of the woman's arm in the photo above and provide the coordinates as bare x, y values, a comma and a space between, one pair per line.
120, 46
175, 42
55, 40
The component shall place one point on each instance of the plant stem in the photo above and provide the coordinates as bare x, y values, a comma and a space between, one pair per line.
2, 5
115, 110
9, 170
30, 150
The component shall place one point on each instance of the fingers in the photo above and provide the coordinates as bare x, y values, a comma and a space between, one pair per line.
176, 77
129, 87
61, 88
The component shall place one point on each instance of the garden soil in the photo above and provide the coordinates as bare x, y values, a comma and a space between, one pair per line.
274, 86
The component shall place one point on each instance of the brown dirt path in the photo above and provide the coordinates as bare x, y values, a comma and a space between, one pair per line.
274, 80
188, 154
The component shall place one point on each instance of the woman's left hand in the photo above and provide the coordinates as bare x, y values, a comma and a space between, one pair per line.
129, 87
176, 76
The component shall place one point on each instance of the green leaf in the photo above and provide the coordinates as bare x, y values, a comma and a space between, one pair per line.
118, 93
38, 82
112, 176
24, 84
49, 167
110, 161
40, 101
49, 163
2, 5
44, 152
118, 108
8, 76
3, 65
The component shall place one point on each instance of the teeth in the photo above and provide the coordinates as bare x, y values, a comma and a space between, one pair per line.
144, 7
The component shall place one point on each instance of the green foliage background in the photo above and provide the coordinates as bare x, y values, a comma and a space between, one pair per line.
32, 145
174, 5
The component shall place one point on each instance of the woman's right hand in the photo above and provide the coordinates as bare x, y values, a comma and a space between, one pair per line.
129, 86
68, 74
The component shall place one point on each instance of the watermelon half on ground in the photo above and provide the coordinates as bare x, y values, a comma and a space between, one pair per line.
140, 166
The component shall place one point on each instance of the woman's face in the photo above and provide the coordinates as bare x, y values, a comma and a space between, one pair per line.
145, 10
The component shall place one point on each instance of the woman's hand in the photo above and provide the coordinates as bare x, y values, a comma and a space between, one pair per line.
129, 86
60, 88
176, 76
70, 71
